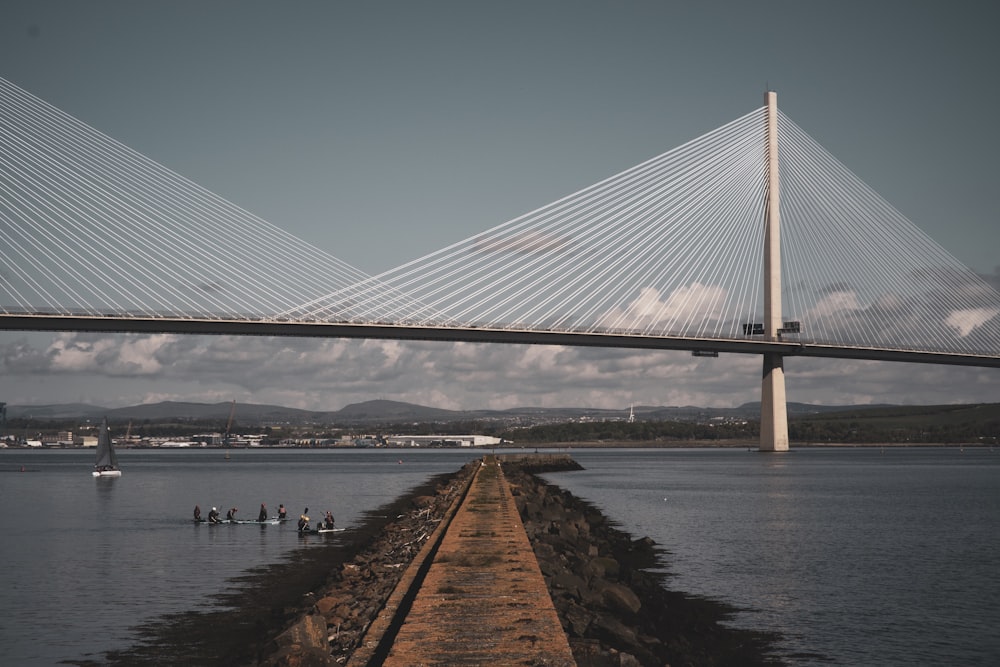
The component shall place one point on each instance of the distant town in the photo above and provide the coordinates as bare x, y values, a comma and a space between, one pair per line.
391, 424
69, 439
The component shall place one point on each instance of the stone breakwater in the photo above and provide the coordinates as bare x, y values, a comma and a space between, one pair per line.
615, 611
614, 608
340, 614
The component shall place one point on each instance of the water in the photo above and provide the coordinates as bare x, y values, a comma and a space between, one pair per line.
858, 556
85, 560
855, 555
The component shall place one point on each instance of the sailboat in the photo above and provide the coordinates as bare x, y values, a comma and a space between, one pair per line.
107, 463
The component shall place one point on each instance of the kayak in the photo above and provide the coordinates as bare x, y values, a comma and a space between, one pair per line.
242, 522
314, 531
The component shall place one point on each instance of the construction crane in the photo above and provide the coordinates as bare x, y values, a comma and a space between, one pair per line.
229, 425
124, 440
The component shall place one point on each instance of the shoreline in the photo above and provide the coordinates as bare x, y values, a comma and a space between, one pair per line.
729, 444
315, 607
529, 447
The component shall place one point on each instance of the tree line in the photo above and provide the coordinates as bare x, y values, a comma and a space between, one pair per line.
928, 426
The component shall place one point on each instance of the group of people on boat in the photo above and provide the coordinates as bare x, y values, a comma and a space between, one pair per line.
215, 517
326, 524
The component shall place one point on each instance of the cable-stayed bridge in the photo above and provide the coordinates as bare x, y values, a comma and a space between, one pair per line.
691, 250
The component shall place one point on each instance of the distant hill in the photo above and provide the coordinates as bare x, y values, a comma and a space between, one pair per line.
977, 423
244, 413
380, 411
57, 411
936, 415
810, 409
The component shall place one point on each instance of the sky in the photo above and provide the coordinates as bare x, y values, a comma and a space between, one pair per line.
383, 131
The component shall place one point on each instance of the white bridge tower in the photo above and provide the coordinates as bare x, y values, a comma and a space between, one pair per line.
773, 411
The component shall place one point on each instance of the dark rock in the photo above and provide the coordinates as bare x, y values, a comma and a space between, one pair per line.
299, 657
568, 582
577, 619
308, 632
326, 604
620, 598
623, 615
613, 632
608, 567
628, 660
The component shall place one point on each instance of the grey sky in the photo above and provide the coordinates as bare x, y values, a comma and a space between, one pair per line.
382, 131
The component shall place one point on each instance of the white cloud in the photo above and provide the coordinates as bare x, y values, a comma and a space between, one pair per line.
115, 370
964, 321
114, 356
836, 302
688, 304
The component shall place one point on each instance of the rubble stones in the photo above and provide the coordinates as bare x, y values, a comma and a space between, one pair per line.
358, 589
613, 609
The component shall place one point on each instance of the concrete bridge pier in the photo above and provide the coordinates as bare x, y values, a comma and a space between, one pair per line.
773, 411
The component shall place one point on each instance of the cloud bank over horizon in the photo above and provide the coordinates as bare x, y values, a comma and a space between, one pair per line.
128, 369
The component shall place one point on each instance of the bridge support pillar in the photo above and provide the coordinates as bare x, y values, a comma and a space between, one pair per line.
773, 411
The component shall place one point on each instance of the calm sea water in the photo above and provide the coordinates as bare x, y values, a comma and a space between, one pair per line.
84, 560
858, 556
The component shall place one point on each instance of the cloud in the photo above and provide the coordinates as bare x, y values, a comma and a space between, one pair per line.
936, 320
116, 370
836, 301
694, 303
129, 356
964, 321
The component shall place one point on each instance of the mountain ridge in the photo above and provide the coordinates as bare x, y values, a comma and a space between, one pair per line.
386, 411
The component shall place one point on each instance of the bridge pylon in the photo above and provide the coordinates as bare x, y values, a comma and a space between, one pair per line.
773, 411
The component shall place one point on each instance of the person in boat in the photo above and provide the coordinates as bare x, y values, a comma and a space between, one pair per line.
197, 514
213, 516
328, 521
282, 512
262, 515
304, 520
231, 514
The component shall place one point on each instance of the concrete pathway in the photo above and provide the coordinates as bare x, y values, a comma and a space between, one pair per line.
483, 600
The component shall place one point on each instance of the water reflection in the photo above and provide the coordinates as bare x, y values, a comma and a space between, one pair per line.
105, 488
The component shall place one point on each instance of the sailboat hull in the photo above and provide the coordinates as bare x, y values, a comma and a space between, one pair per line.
107, 473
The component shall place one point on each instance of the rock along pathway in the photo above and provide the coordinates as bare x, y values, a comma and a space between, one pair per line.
483, 600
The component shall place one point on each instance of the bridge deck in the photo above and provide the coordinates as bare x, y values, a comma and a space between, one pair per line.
483, 600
